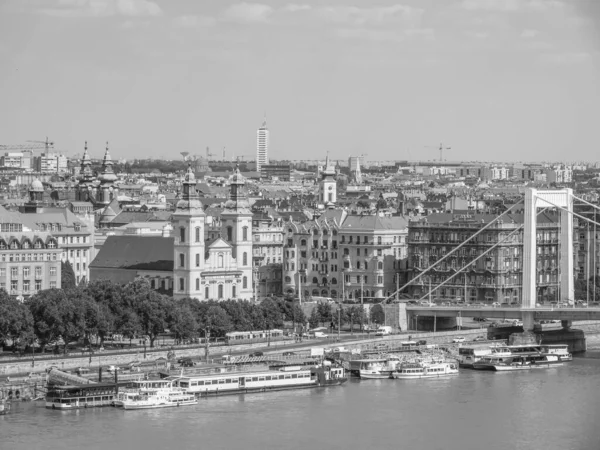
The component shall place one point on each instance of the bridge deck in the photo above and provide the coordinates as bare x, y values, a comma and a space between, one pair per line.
541, 313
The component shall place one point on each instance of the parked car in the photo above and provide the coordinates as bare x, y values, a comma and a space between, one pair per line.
496, 305
113, 369
252, 355
479, 319
186, 362
479, 338
422, 342
458, 340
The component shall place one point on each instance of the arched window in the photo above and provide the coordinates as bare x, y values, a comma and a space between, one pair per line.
220, 260
181, 260
315, 281
197, 284
182, 234
197, 259
220, 291
245, 259
358, 265
198, 237
366, 266
315, 292
324, 280
245, 233
380, 265
303, 242
245, 282
288, 280
334, 281
379, 240
234, 291
51, 244
229, 233
206, 293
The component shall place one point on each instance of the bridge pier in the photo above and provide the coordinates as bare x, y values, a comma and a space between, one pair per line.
566, 324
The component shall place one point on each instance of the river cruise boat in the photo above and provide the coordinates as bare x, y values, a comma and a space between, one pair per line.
84, 396
151, 394
467, 356
524, 350
560, 350
543, 360
378, 368
491, 362
293, 377
434, 369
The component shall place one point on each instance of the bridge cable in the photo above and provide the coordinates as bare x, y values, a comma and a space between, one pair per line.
447, 255
479, 257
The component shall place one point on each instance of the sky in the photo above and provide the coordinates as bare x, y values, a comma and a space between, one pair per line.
494, 80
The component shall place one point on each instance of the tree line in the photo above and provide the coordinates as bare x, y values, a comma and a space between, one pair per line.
95, 311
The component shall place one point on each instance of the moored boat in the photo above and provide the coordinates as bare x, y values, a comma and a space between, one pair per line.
544, 360
562, 351
378, 368
154, 394
262, 381
84, 396
491, 362
467, 356
434, 369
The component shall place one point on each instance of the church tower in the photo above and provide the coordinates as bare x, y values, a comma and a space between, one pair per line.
188, 229
328, 185
85, 188
107, 190
36, 198
236, 229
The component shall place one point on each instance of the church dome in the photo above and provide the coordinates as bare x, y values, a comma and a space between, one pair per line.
36, 186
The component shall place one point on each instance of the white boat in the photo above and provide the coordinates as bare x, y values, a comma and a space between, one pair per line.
154, 394
491, 362
544, 360
467, 356
378, 368
434, 369
293, 377
562, 351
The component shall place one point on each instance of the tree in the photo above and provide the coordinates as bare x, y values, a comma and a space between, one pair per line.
182, 320
150, 307
239, 312
216, 321
67, 276
272, 314
381, 204
324, 312
378, 314
313, 319
16, 321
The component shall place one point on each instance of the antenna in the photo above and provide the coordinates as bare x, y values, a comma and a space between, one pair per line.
223, 153
441, 151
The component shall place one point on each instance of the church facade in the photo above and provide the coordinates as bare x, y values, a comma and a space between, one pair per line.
220, 268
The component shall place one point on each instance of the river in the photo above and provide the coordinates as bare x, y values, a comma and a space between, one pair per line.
550, 409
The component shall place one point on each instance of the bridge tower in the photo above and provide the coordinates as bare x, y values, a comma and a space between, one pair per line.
534, 199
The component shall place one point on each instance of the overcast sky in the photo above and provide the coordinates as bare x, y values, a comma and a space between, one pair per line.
493, 79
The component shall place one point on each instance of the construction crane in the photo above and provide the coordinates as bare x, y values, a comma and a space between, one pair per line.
441, 148
224, 154
33, 145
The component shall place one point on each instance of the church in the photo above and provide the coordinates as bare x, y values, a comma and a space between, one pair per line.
188, 264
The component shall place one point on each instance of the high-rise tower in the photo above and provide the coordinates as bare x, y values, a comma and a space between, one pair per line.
262, 145
328, 185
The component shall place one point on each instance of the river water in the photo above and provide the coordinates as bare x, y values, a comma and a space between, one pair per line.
557, 408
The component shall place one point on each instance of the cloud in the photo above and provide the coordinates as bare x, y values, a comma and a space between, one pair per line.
97, 8
295, 8
529, 34
565, 58
426, 33
369, 34
248, 13
510, 5
194, 21
477, 34
353, 15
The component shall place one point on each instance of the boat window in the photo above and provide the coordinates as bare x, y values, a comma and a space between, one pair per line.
294, 375
287, 377
221, 381
215, 381
261, 378
281, 377
254, 378
268, 378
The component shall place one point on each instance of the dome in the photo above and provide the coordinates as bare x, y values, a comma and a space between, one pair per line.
36, 186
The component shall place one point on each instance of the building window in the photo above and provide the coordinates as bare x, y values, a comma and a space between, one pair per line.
380, 265
379, 240
38, 285
181, 260
233, 291
220, 290
245, 283
14, 285
197, 284
25, 272
182, 235
229, 233
2, 272
52, 285
206, 292
197, 259
245, 259
25, 285
14, 272
198, 237
220, 260
38, 272
245, 233
182, 284
153, 284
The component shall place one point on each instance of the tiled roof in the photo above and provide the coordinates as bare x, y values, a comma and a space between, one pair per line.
136, 252
373, 223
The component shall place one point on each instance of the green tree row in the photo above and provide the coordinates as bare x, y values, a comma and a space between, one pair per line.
100, 309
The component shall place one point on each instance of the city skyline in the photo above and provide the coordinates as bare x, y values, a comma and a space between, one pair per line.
504, 79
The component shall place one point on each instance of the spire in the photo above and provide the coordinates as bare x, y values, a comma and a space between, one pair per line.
327, 160
107, 174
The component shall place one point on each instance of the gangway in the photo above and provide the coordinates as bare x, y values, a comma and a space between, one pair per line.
56, 376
